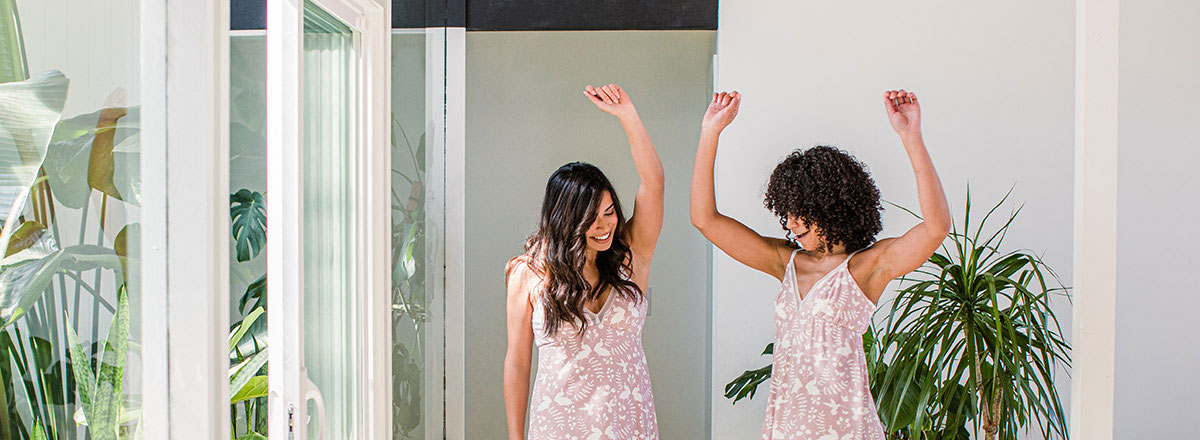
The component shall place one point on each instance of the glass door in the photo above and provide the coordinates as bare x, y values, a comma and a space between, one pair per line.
327, 207
329, 218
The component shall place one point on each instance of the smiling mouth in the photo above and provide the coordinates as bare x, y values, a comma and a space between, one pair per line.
603, 238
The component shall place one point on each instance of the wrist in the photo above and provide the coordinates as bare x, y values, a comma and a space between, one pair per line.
710, 130
911, 137
630, 117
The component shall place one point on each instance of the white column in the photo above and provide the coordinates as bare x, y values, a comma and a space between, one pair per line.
1095, 261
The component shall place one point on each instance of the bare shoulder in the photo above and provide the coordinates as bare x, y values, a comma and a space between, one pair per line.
783, 254
865, 268
520, 277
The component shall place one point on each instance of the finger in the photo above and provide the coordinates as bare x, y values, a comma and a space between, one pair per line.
725, 99
592, 97
620, 93
612, 91
715, 95
605, 96
888, 103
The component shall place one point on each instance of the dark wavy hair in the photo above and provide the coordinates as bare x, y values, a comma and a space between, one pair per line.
559, 246
830, 188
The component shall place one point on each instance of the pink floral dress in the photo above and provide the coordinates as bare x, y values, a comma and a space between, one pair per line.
819, 388
596, 386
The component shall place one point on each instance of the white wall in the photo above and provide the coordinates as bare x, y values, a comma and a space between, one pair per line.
526, 116
996, 81
1156, 355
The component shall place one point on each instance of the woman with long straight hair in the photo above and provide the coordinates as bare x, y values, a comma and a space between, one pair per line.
578, 293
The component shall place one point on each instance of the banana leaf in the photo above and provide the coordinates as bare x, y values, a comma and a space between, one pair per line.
31, 109
13, 66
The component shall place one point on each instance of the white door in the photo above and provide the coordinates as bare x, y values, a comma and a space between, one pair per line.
328, 207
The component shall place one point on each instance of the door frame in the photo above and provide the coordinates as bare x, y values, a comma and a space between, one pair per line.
370, 21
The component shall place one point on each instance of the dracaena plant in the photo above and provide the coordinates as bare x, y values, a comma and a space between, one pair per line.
970, 342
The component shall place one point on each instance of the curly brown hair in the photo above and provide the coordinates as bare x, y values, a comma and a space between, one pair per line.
828, 187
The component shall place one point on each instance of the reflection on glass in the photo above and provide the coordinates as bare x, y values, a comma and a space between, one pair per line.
330, 152
70, 190
247, 266
413, 238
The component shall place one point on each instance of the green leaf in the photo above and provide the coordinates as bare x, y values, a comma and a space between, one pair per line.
106, 408
248, 211
13, 66
85, 383
25, 275
255, 387
24, 237
31, 108
253, 436
257, 292
39, 432
245, 325
241, 374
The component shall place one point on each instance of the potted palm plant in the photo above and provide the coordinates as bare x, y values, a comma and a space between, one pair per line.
970, 342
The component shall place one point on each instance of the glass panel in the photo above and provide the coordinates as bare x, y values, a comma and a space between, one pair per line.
416, 366
328, 163
248, 186
70, 321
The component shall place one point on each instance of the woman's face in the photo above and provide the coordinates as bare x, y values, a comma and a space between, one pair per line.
600, 234
805, 235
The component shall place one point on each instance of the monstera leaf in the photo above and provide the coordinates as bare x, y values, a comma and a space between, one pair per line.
249, 217
31, 108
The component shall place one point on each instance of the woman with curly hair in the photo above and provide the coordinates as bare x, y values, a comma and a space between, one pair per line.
832, 269
577, 292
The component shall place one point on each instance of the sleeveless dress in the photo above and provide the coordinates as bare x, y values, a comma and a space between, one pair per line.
819, 388
596, 386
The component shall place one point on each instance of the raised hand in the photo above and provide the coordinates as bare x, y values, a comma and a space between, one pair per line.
721, 111
612, 100
904, 112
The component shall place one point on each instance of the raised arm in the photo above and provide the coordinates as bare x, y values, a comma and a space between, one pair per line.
520, 281
645, 222
899, 256
732, 237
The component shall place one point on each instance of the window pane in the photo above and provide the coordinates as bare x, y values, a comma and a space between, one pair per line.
70, 191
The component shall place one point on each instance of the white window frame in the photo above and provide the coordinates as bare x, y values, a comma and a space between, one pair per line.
184, 77
370, 20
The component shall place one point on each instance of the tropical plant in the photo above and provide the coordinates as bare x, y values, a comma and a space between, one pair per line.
248, 378
970, 339
409, 295
247, 340
102, 406
48, 169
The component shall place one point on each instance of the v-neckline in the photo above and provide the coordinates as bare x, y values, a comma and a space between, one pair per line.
603, 306
796, 282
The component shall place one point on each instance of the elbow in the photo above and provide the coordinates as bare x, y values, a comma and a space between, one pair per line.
656, 180
701, 221
940, 228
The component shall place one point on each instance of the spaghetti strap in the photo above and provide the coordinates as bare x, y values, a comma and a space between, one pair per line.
848, 257
791, 265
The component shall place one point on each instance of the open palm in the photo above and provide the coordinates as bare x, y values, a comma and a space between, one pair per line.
904, 112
